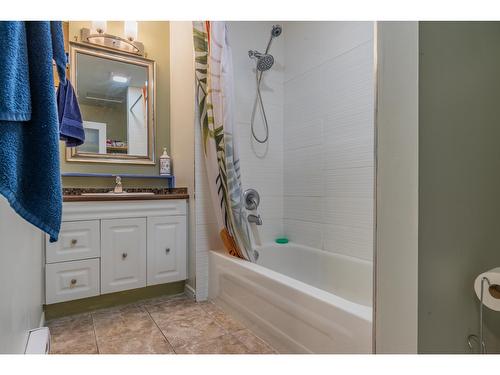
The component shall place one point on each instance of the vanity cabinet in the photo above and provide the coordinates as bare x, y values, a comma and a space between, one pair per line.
111, 246
123, 261
166, 239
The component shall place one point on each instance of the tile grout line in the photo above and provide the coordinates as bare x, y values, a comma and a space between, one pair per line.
230, 333
95, 333
245, 328
159, 329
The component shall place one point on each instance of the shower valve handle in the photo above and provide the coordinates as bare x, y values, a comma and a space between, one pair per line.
251, 198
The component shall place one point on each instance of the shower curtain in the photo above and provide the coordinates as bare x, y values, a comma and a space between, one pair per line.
214, 106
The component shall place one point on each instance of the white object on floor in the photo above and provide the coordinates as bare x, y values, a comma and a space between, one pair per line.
38, 341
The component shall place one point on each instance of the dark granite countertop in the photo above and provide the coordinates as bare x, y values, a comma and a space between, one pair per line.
75, 194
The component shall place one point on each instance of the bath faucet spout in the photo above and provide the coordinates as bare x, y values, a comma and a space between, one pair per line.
256, 219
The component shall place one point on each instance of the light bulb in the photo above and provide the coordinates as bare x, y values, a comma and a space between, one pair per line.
99, 26
130, 30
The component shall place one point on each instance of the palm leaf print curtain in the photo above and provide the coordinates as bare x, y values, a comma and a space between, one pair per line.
214, 105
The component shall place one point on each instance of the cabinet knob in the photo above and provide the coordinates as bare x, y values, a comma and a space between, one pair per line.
73, 242
124, 255
73, 283
167, 250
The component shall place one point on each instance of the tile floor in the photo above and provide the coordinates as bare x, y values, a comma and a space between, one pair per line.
165, 325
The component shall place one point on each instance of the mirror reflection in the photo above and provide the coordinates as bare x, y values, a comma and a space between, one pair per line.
113, 97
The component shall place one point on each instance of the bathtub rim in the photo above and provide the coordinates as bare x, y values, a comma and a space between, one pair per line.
358, 310
312, 249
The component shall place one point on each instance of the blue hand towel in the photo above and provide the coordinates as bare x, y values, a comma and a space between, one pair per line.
15, 98
30, 177
70, 119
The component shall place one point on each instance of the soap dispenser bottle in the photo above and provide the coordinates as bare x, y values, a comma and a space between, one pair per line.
165, 163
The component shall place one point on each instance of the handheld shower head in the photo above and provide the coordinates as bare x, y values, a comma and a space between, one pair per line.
264, 60
276, 31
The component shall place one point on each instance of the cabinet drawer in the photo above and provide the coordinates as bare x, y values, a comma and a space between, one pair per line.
77, 240
123, 256
166, 249
71, 280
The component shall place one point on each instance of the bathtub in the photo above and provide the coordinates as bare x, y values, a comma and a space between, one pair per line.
299, 299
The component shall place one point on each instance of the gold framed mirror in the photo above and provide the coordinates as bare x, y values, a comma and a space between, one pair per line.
117, 96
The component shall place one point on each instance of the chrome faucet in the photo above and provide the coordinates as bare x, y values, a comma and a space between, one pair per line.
254, 219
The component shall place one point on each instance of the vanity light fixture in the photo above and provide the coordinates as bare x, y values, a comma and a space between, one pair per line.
98, 36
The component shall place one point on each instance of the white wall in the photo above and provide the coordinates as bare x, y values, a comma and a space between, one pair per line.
329, 136
137, 134
21, 279
181, 123
397, 188
207, 234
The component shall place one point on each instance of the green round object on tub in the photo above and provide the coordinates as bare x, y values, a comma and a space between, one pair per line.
282, 240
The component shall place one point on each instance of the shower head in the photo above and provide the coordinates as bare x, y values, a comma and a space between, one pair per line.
276, 31
264, 60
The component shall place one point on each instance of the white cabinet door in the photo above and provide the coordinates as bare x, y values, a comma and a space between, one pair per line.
77, 240
123, 254
166, 249
67, 281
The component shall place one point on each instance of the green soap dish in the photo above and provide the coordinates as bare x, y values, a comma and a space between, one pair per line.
282, 240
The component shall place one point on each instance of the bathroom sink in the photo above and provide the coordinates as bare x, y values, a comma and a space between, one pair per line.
123, 194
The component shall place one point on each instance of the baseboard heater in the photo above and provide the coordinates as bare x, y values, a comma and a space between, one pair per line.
38, 341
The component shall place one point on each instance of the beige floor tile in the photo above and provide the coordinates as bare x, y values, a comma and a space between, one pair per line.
72, 335
254, 344
226, 344
167, 312
190, 330
159, 325
226, 321
163, 299
121, 321
151, 342
128, 329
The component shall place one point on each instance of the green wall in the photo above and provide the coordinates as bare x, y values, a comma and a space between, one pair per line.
156, 38
459, 183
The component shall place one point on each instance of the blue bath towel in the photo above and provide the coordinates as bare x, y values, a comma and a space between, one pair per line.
30, 177
70, 119
15, 98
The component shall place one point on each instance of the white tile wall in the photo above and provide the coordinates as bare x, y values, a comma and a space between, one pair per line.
207, 237
329, 136
261, 165
316, 174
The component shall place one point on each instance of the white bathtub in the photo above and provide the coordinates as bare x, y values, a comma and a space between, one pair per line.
300, 299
